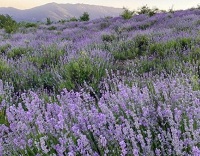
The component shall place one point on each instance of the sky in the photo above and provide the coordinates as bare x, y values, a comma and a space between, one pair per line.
130, 4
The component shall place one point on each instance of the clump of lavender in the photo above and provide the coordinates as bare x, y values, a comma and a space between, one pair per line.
159, 119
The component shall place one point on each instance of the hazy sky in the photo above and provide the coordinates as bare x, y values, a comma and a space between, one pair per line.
131, 4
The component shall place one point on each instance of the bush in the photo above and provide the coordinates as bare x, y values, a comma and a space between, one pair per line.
49, 22
52, 28
4, 70
85, 17
127, 14
83, 69
4, 48
108, 38
141, 44
31, 25
7, 23
73, 19
17, 52
50, 57
76, 72
146, 10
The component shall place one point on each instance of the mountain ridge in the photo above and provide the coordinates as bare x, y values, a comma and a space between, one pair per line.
57, 12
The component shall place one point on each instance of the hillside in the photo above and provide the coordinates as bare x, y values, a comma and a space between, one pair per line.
60, 11
108, 86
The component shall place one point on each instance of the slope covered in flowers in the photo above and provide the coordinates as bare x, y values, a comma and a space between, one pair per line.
104, 87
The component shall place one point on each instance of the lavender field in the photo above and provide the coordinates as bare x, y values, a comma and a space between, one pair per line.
105, 87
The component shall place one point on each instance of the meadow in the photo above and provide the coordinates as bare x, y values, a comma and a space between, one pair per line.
114, 86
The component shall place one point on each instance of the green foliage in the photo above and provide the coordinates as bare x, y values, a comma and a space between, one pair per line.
81, 70
48, 22
185, 43
141, 43
108, 37
4, 48
77, 71
48, 81
50, 57
7, 23
62, 21
127, 14
15, 53
3, 118
52, 28
194, 55
85, 17
104, 25
195, 82
30, 25
146, 25
4, 69
157, 49
73, 19
124, 50
132, 48
146, 10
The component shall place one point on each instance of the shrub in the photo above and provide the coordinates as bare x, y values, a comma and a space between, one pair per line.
4, 48
104, 25
31, 25
124, 50
146, 10
49, 22
83, 69
50, 57
127, 14
108, 38
85, 17
52, 28
141, 44
4, 70
76, 72
17, 52
48, 81
73, 19
7, 23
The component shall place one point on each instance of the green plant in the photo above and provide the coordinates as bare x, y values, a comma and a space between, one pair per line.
146, 10
108, 38
7, 23
62, 21
52, 28
124, 50
85, 17
73, 19
4, 48
17, 52
77, 71
83, 69
49, 22
5, 70
141, 44
127, 14
48, 81
104, 25
50, 57
31, 25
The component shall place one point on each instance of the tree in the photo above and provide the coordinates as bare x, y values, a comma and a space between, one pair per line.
85, 17
7, 23
49, 22
146, 10
127, 14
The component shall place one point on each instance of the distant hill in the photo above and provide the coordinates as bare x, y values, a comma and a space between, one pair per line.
60, 11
